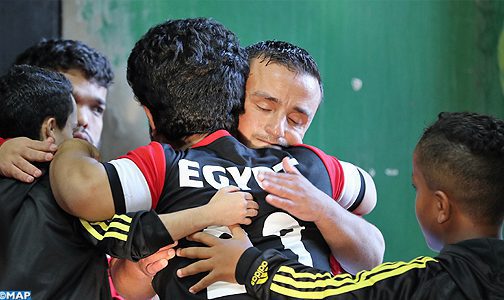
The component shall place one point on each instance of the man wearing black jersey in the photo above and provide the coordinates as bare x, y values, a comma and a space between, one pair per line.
458, 166
45, 250
161, 70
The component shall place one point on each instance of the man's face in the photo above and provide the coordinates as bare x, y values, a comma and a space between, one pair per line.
279, 106
91, 101
425, 206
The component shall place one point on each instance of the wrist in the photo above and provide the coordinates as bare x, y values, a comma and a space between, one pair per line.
205, 217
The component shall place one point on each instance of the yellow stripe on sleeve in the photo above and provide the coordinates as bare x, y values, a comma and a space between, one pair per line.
108, 234
341, 283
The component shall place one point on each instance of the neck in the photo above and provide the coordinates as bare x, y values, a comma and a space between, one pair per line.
474, 230
192, 139
186, 142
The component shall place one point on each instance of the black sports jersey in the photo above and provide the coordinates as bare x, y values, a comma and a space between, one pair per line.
471, 269
49, 253
159, 177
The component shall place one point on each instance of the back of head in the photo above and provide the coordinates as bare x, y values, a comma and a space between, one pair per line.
462, 154
294, 58
64, 55
190, 74
29, 95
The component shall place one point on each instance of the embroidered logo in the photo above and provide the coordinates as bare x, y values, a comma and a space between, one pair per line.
261, 274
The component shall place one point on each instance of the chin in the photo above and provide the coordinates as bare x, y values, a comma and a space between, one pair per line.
433, 243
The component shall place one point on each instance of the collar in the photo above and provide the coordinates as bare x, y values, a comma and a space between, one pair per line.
211, 138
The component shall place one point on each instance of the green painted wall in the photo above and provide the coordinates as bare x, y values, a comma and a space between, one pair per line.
414, 59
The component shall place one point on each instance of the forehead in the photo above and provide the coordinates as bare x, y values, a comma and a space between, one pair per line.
83, 88
283, 84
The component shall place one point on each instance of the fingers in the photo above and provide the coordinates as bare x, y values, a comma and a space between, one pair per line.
204, 283
44, 146
195, 252
203, 238
11, 171
247, 196
288, 167
155, 267
237, 231
251, 204
246, 221
169, 246
281, 187
26, 167
279, 202
160, 264
195, 268
228, 189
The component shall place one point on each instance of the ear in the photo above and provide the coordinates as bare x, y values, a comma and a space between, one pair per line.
149, 116
47, 128
443, 207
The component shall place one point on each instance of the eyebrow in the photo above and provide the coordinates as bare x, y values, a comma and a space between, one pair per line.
100, 100
267, 96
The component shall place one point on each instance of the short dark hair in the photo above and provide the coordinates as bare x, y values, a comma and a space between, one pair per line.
463, 154
190, 74
294, 58
29, 95
64, 55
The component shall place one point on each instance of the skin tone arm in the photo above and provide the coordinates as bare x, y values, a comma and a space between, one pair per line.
133, 280
354, 242
81, 187
17, 154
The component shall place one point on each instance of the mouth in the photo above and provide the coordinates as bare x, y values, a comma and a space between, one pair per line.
82, 135
267, 144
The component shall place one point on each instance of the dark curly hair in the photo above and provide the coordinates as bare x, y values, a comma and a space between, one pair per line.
190, 73
463, 154
294, 58
63, 55
29, 95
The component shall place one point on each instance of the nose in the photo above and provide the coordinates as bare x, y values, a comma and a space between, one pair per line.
82, 119
276, 127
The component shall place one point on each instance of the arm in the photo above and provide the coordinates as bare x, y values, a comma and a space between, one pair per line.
228, 206
79, 182
17, 154
354, 242
132, 236
270, 275
82, 187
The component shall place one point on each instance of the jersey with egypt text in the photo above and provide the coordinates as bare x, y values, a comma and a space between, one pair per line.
177, 180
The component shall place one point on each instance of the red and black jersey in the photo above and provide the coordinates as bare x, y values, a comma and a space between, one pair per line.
471, 269
57, 256
158, 177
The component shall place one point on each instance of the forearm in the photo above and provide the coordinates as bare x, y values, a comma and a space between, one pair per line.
79, 182
355, 243
185, 222
129, 281
130, 236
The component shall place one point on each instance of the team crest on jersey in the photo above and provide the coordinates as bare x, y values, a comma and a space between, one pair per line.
261, 274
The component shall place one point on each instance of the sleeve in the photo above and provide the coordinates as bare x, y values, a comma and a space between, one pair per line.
137, 178
352, 187
2, 141
130, 236
270, 275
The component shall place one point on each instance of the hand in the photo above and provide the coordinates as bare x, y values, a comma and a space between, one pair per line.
17, 154
292, 192
157, 261
229, 206
220, 259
